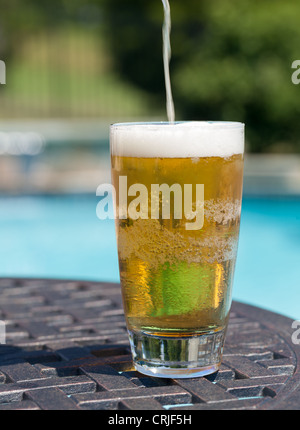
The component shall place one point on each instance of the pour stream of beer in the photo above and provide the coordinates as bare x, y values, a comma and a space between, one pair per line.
167, 58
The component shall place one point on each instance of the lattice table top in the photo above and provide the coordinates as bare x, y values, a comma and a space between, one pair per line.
67, 348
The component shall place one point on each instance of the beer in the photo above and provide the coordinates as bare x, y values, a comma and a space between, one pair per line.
176, 275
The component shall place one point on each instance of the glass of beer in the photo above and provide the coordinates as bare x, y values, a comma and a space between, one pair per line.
178, 193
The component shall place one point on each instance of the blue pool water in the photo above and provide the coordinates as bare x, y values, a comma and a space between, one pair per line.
61, 237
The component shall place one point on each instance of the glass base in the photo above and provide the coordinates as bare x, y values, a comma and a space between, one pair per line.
177, 357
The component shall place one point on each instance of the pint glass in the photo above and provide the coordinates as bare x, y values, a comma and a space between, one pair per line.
177, 206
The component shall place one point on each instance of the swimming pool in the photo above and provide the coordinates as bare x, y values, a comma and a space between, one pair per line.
61, 237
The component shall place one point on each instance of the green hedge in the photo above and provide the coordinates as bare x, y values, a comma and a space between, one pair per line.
231, 61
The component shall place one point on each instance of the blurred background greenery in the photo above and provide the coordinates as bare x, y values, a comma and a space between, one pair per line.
75, 66
231, 60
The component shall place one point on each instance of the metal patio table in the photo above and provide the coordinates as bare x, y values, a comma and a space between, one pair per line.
67, 348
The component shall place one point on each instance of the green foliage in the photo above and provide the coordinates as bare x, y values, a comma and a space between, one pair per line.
58, 64
231, 61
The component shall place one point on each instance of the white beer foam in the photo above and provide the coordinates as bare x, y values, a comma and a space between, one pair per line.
177, 140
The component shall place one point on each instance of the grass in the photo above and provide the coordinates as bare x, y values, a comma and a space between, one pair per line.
68, 73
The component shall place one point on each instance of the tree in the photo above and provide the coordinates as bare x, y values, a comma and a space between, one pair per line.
231, 60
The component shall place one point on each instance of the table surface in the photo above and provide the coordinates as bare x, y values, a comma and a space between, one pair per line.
67, 348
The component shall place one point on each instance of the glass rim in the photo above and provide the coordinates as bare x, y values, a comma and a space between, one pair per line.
231, 125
